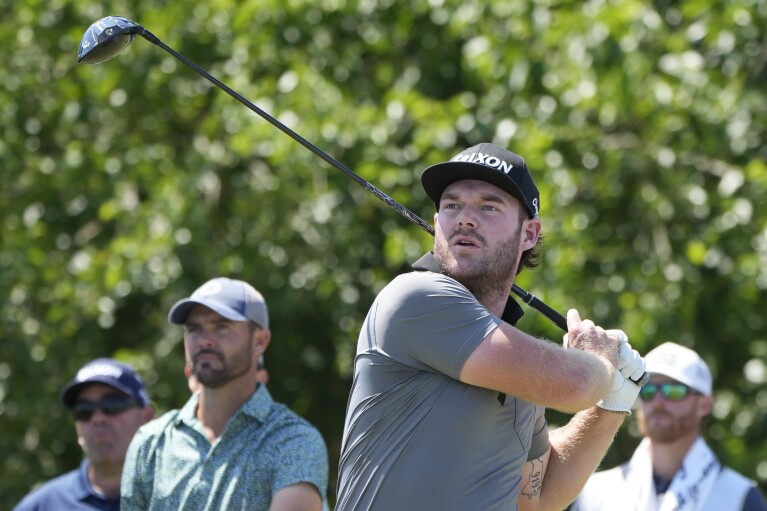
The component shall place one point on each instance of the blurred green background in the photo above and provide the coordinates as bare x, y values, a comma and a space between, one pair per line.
128, 184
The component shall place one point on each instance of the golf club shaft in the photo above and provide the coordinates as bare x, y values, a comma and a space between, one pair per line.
534, 302
292, 134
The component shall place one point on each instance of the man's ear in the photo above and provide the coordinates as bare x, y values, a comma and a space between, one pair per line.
705, 405
531, 230
261, 339
148, 413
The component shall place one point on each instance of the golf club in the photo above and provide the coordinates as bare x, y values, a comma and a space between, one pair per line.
109, 36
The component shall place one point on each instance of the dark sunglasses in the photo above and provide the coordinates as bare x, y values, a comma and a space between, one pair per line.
669, 391
110, 405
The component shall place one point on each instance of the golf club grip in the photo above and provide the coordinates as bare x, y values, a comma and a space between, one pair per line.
559, 320
538, 304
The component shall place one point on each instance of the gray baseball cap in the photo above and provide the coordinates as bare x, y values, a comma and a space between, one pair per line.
233, 299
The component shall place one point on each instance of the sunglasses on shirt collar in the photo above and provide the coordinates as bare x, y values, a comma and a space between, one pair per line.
110, 405
669, 391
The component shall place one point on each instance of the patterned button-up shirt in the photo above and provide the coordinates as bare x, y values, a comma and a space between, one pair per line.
264, 448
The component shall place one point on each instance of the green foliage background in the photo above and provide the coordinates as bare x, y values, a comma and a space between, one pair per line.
127, 184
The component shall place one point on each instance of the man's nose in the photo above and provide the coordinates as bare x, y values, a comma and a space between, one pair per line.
99, 417
467, 217
206, 338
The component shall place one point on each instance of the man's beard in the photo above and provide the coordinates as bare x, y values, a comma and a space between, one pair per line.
676, 427
236, 366
482, 276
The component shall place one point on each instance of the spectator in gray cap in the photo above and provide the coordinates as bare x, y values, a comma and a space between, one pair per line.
109, 403
231, 446
673, 468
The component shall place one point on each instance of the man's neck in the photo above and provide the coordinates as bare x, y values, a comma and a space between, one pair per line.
493, 294
494, 300
105, 478
667, 458
216, 406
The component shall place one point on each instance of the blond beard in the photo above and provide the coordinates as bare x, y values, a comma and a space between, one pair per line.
488, 276
677, 428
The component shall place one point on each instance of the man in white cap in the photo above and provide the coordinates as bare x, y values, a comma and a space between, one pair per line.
673, 468
231, 446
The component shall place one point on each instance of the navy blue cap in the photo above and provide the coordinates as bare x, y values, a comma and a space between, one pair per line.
109, 372
233, 299
484, 162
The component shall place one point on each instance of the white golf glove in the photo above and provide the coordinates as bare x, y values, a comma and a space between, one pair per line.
631, 367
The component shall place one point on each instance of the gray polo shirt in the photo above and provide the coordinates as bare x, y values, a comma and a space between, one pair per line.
416, 437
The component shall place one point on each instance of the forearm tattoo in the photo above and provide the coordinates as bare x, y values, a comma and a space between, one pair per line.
532, 487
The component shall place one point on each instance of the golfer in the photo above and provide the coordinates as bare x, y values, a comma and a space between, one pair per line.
446, 409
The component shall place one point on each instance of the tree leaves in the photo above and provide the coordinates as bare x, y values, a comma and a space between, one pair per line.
130, 183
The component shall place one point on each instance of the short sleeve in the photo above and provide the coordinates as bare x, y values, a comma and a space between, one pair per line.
539, 444
429, 321
303, 458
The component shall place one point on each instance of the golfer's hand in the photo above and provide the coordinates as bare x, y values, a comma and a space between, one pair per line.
630, 363
631, 366
586, 336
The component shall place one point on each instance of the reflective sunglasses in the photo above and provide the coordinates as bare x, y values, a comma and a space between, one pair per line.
669, 391
110, 405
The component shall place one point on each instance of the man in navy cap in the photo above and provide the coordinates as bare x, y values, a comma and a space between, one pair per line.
109, 403
447, 404
231, 446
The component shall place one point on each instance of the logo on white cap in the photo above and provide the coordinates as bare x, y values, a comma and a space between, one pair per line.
210, 288
682, 364
99, 369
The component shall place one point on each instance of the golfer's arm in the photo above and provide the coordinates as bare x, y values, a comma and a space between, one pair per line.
538, 371
576, 451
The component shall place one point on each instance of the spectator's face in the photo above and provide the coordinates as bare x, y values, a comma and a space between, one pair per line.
220, 350
664, 420
105, 437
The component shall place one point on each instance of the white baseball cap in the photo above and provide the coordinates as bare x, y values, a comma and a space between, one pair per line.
682, 364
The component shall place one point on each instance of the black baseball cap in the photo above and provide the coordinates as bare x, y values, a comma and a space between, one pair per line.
485, 162
109, 372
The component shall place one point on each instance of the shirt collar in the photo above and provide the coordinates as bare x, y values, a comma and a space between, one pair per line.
257, 406
512, 312
83, 490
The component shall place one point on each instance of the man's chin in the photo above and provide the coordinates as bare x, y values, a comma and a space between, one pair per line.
458, 268
663, 435
103, 453
461, 275
211, 379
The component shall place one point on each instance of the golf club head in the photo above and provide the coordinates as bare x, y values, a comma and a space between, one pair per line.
106, 38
